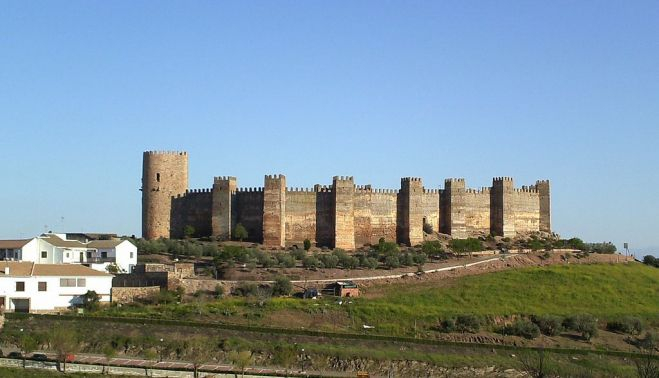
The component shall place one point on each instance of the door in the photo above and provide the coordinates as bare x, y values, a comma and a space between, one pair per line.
21, 304
82, 256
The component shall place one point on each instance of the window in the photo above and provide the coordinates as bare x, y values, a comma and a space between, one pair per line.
131, 255
158, 177
82, 282
104, 255
89, 255
20, 286
67, 255
43, 286
67, 282
44, 254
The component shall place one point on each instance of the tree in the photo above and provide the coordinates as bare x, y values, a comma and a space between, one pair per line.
282, 286
285, 356
241, 359
65, 342
307, 244
108, 352
90, 300
198, 353
189, 231
27, 344
240, 232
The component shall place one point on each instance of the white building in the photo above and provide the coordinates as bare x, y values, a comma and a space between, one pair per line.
57, 249
30, 287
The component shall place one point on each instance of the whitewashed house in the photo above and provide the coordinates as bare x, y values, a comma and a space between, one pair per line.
30, 287
57, 249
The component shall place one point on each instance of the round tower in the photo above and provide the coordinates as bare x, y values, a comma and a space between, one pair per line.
164, 175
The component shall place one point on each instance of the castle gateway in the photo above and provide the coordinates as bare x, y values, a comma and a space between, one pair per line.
341, 215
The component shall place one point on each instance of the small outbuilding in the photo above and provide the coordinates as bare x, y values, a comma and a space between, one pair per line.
342, 289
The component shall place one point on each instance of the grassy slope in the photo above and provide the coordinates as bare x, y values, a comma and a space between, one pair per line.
604, 290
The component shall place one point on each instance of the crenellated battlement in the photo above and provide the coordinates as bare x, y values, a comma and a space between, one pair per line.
151, 153
363, 189
431, 191
322, 188
409, 179
526, 189
342, 178
275, 177
450, 180
300, 190
218, 179
482, 190
196, 191
249, 190
503, 178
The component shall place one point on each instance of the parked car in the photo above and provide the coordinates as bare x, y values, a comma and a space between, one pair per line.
39, 357
14, 355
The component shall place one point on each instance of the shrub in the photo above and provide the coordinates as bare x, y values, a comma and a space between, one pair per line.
240, 232
432, 248
584, 324
406, 259
391, 262
310, 262
651, 260
606, 247
448, 325
370, 263
219, 291
246, 289
577, 243
298, 254
420, 258
629, 324
307, 244
387, 248
329, 261
90, 300
548, 324
287, 261
523, 328
468, 323
282, 287
466, 245
189, 231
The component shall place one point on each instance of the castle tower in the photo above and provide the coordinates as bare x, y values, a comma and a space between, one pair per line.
502, 212
344, 212
410, 227
545, 205
164, 175
452, 217
274, 211
223, 207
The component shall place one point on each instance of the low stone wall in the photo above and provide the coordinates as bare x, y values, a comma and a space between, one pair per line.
129, 294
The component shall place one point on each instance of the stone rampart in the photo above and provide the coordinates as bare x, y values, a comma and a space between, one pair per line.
130, 294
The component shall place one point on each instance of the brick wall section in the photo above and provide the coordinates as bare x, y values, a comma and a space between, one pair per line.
223, 206
503, 207
130, 294
164, 175
300, 216
274, 211
344, 212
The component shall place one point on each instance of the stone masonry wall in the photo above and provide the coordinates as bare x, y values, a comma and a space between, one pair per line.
274, 211
477, 211
300, 216
344, 212
527, 210
383, 215
249, 212
130, 294
431, 209
164, 175
192, 209
362, 204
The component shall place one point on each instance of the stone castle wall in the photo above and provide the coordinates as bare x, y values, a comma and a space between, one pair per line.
340, 215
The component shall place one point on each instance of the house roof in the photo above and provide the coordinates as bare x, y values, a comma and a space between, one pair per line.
59, 242
24, 268
104, 243
13, 244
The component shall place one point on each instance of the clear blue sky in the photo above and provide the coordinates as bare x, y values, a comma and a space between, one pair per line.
567, 91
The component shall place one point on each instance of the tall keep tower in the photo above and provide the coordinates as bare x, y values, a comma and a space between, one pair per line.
164, 175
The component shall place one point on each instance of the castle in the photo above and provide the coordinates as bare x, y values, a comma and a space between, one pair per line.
341, 215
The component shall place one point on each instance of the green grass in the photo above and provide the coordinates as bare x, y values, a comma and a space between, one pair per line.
606, 291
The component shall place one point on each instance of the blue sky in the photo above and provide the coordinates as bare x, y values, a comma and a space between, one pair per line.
567, 91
